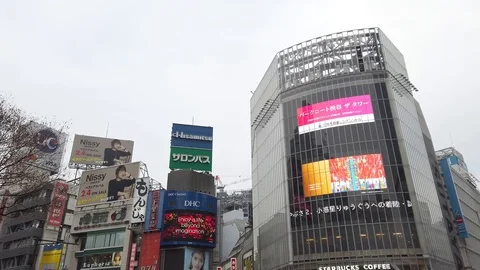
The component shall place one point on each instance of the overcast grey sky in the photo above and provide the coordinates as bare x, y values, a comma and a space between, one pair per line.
141, 65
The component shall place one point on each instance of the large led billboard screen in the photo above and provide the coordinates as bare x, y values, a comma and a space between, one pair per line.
187, 227
189, 136
100, 151
353, 173
335, 113
190, 159
108, 184
189, 218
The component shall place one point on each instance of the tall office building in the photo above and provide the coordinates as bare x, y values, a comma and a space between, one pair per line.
464, 196
342, 169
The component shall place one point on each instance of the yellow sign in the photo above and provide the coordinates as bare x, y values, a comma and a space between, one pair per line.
51, 257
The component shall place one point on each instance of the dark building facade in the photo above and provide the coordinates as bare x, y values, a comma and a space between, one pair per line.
342, 175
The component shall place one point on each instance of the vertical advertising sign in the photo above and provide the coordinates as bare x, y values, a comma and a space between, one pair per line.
57, 206
233, 263
191, 147
151, 211
51, 257
133, 252
139, 200
150, 255
452, 194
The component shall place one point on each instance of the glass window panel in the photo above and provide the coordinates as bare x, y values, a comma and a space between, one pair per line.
119, 238
90, 241
100, 240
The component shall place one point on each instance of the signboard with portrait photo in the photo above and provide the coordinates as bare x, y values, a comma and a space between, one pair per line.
196, 259
98, 151
108, 184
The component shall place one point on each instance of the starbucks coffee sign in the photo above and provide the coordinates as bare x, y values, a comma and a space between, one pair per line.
376, 266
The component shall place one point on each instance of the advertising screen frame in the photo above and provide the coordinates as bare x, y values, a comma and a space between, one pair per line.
327, 175
335, 113
90, 150
94, 184
188, 203
191, 223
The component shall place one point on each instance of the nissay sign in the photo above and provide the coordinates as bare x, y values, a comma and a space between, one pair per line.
189, 136
185, 200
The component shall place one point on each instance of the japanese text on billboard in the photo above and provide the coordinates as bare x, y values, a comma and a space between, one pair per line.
139, 200
335, 113
354, 173
100, 151
57, 206
108, 184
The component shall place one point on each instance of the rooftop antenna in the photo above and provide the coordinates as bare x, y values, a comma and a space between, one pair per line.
108, 125
451, 140
193, 120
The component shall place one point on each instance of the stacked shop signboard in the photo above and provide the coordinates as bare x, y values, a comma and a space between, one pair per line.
112, 198
181, 224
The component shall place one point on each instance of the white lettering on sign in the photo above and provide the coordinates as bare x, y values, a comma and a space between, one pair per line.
191, 136
192, 203
191, 158
377, 266
233, 263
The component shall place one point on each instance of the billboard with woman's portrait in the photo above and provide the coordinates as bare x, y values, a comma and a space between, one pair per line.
196, 259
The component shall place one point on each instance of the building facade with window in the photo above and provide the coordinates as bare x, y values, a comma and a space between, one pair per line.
342, 173
36, 225
464, 196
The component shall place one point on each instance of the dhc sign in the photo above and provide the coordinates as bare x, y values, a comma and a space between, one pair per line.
189, 136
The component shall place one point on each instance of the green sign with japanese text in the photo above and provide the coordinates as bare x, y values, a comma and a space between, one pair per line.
190, 159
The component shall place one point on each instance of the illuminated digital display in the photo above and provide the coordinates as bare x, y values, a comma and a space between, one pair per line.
353, 173
335, 113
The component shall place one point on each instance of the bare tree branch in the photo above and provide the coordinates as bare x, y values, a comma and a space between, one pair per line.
30, 155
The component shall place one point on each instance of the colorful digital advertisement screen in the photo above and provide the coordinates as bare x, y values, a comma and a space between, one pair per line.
335, 113
189, 228
354, 173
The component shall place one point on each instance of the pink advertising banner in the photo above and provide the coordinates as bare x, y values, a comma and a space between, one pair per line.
335, 113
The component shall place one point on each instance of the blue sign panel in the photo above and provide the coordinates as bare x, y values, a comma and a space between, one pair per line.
189, 136
154, 211
189, 219
452, 193
186, 200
